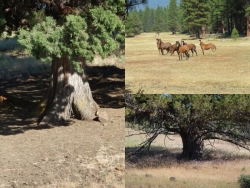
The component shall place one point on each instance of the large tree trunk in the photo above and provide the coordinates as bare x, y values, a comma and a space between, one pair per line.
192, 147
69, 94
248, 26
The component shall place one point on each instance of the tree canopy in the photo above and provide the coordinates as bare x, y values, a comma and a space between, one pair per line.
68, 34
133, 24
195, 16
195, 118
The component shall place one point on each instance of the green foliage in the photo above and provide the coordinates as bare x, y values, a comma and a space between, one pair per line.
235, 34
44, 41
173, 13
48, 40
196, 14
247, 9
204, 117
244, 181
133, 24
159, 20
36, 17
148, 20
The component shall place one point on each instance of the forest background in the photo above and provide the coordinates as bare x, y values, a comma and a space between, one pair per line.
197, 17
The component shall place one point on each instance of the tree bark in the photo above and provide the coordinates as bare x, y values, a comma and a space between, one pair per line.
203, 28
248, 26
223, 27
192, 146
69, 95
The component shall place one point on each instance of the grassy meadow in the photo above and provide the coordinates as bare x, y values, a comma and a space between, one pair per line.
225, 162
227, 71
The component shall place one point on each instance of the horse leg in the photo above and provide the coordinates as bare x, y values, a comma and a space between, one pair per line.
162, 51
195, 52
187, 55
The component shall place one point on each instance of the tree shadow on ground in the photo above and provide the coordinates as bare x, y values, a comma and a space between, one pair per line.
20, 96
166, 157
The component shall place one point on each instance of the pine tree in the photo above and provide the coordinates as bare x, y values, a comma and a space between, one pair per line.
148, 19
235, 34
196, 14
133, 24
196, 118
159, 20
173, 15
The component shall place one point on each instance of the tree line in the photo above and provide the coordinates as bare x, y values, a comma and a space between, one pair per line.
192, 16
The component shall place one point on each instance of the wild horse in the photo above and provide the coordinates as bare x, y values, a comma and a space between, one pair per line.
191, 46
181, 50
207, 47
163, 46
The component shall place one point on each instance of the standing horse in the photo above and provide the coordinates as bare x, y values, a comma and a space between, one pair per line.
181, 50
207, 47
163, 46
191, 46
173, 48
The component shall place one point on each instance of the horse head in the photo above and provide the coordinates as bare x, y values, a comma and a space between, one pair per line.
178, 44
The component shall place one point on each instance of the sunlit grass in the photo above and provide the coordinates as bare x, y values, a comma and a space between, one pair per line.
227, 71
225, 162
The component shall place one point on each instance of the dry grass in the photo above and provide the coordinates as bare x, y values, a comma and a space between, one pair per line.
225, 162
227, 71
189, 175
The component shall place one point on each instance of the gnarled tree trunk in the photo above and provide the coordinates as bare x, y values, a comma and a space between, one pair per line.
69, 94
192, 146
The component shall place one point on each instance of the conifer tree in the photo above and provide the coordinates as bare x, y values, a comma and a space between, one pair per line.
196, 14
196, 118
235, 34
173, 16
159, 20
70, 36
133, 24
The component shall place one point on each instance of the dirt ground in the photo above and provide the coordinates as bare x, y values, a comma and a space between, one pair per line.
82, 154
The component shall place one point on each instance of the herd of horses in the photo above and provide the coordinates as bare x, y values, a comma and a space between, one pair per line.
182, 48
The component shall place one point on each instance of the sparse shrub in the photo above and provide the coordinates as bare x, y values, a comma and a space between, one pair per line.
235, 34
244, 181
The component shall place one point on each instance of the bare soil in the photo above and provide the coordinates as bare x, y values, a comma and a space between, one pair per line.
79, 154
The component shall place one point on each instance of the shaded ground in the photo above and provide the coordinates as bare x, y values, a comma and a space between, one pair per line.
159, 167
83, 154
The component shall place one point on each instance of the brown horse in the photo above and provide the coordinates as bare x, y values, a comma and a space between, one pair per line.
163, 46
191, 46
173, 49
181, 50
207, 47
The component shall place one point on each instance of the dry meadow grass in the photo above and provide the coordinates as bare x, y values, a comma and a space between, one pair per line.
227, 71
225, 162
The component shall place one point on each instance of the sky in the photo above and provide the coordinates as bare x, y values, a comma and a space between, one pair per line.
155, 3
